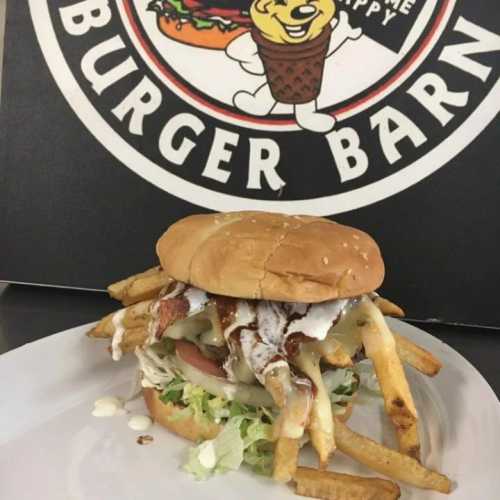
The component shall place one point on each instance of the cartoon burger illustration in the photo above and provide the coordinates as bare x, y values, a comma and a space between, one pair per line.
210, 24
289, 43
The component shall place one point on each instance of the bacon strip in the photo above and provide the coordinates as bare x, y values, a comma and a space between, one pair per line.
170, 311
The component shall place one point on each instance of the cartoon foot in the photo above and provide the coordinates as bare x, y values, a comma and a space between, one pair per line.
259, 103
309, 118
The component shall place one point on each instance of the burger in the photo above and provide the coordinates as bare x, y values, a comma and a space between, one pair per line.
203, 23
249, 340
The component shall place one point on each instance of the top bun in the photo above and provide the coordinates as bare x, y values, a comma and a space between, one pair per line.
261, 255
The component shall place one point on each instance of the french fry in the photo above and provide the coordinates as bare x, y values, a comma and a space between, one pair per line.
132, 338
380, 347
388, 462
142, 286
331, 351
338, 358
136, 315
388, 308
286, 454
422, 360
334, 486
321, 419
278, 384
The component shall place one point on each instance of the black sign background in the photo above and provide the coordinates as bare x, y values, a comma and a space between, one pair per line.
72, 215
397, 18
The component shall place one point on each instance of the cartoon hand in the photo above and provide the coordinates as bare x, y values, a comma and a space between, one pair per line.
244, 50
341, 32
344, 26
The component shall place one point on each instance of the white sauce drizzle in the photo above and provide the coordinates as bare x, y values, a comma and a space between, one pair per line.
319, 319
244, 316
108, 406
197, 299
228, 366
273, 329
222, 20
116, 351
271, 322
295, 308
156, 371
177, 290
154, 323
140, 423
207, 456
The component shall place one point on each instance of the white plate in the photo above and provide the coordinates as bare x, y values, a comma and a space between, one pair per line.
52, 448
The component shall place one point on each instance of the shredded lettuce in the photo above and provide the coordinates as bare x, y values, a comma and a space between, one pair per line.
173, 390
246, 438
368, 379
341, 384
247, 434
219, 455
177, 10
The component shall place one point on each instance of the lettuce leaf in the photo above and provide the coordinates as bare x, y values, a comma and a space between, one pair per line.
341, 384
367, 377
176, 9
173, 390
219, 455
245, 438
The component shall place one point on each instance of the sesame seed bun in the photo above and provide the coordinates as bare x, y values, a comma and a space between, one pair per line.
261, 255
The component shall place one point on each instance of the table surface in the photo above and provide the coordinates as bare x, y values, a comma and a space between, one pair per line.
28, 313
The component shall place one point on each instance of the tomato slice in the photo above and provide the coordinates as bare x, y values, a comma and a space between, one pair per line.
190, 353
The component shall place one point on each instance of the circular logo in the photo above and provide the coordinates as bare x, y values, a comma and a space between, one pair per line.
317, 106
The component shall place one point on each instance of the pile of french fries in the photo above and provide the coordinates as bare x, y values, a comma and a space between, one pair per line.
387, 350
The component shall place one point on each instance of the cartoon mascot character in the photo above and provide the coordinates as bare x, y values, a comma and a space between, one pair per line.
289, 43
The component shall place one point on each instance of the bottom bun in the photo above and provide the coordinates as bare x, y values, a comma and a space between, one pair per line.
186, 427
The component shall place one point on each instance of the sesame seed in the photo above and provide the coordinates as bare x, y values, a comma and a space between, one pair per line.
356, 247
285, 224
366, 266
228, 233
364, 255
253, 221
345, 245
297, 217
355, 236
349, 271
325, 260
217, 221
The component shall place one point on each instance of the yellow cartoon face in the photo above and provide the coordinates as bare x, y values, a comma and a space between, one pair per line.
291, 21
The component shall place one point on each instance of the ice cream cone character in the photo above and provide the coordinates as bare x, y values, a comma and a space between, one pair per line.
288, 44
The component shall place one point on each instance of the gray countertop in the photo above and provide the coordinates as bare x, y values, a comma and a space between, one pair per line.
28, 313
